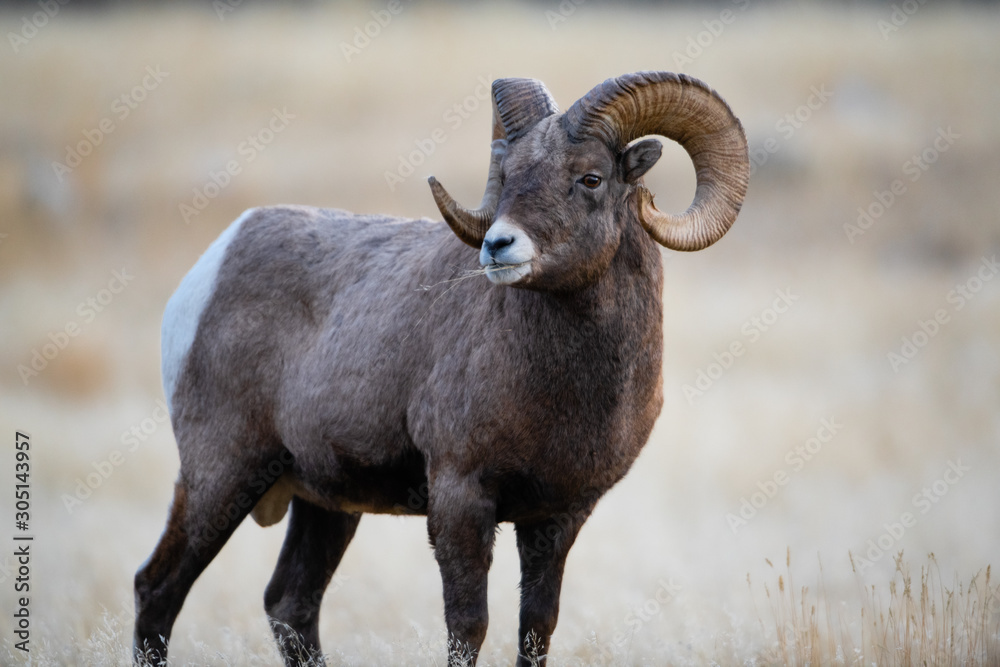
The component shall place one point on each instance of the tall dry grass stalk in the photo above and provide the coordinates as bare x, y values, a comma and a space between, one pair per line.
897, 625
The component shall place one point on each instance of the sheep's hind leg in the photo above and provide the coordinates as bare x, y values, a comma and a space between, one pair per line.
203, 516
314, 544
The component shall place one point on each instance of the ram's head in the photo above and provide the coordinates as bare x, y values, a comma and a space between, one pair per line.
563, 186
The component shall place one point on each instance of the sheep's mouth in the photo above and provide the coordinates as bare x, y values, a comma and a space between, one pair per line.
500, 273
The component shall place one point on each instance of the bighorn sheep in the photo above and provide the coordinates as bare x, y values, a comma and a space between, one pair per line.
306, 362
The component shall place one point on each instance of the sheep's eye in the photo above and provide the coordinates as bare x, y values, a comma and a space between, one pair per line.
591, 180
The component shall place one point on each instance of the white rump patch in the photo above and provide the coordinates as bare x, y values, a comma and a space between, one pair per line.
184, 309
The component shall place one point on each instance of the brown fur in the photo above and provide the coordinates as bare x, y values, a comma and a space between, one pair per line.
348, 355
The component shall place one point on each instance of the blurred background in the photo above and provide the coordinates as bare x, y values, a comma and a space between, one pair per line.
859, 289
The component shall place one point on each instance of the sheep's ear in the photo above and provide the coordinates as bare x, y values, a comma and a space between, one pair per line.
640, 158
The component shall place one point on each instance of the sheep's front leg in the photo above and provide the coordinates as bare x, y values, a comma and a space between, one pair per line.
461, 520
543, 547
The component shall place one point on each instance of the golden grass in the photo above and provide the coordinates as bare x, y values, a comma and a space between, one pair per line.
666, 521
907, 622
902, 623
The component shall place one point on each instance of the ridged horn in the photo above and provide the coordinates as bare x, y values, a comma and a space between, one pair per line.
518, 104
689, 112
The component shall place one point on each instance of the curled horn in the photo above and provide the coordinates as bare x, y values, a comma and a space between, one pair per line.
518, 104
689, 112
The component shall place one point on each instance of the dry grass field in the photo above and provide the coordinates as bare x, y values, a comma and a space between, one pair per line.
829, 496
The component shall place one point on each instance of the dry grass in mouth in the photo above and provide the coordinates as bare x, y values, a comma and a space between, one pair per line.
450, 281
466, 274
497, 266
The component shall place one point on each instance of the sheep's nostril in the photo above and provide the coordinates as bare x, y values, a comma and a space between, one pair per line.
496, 244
